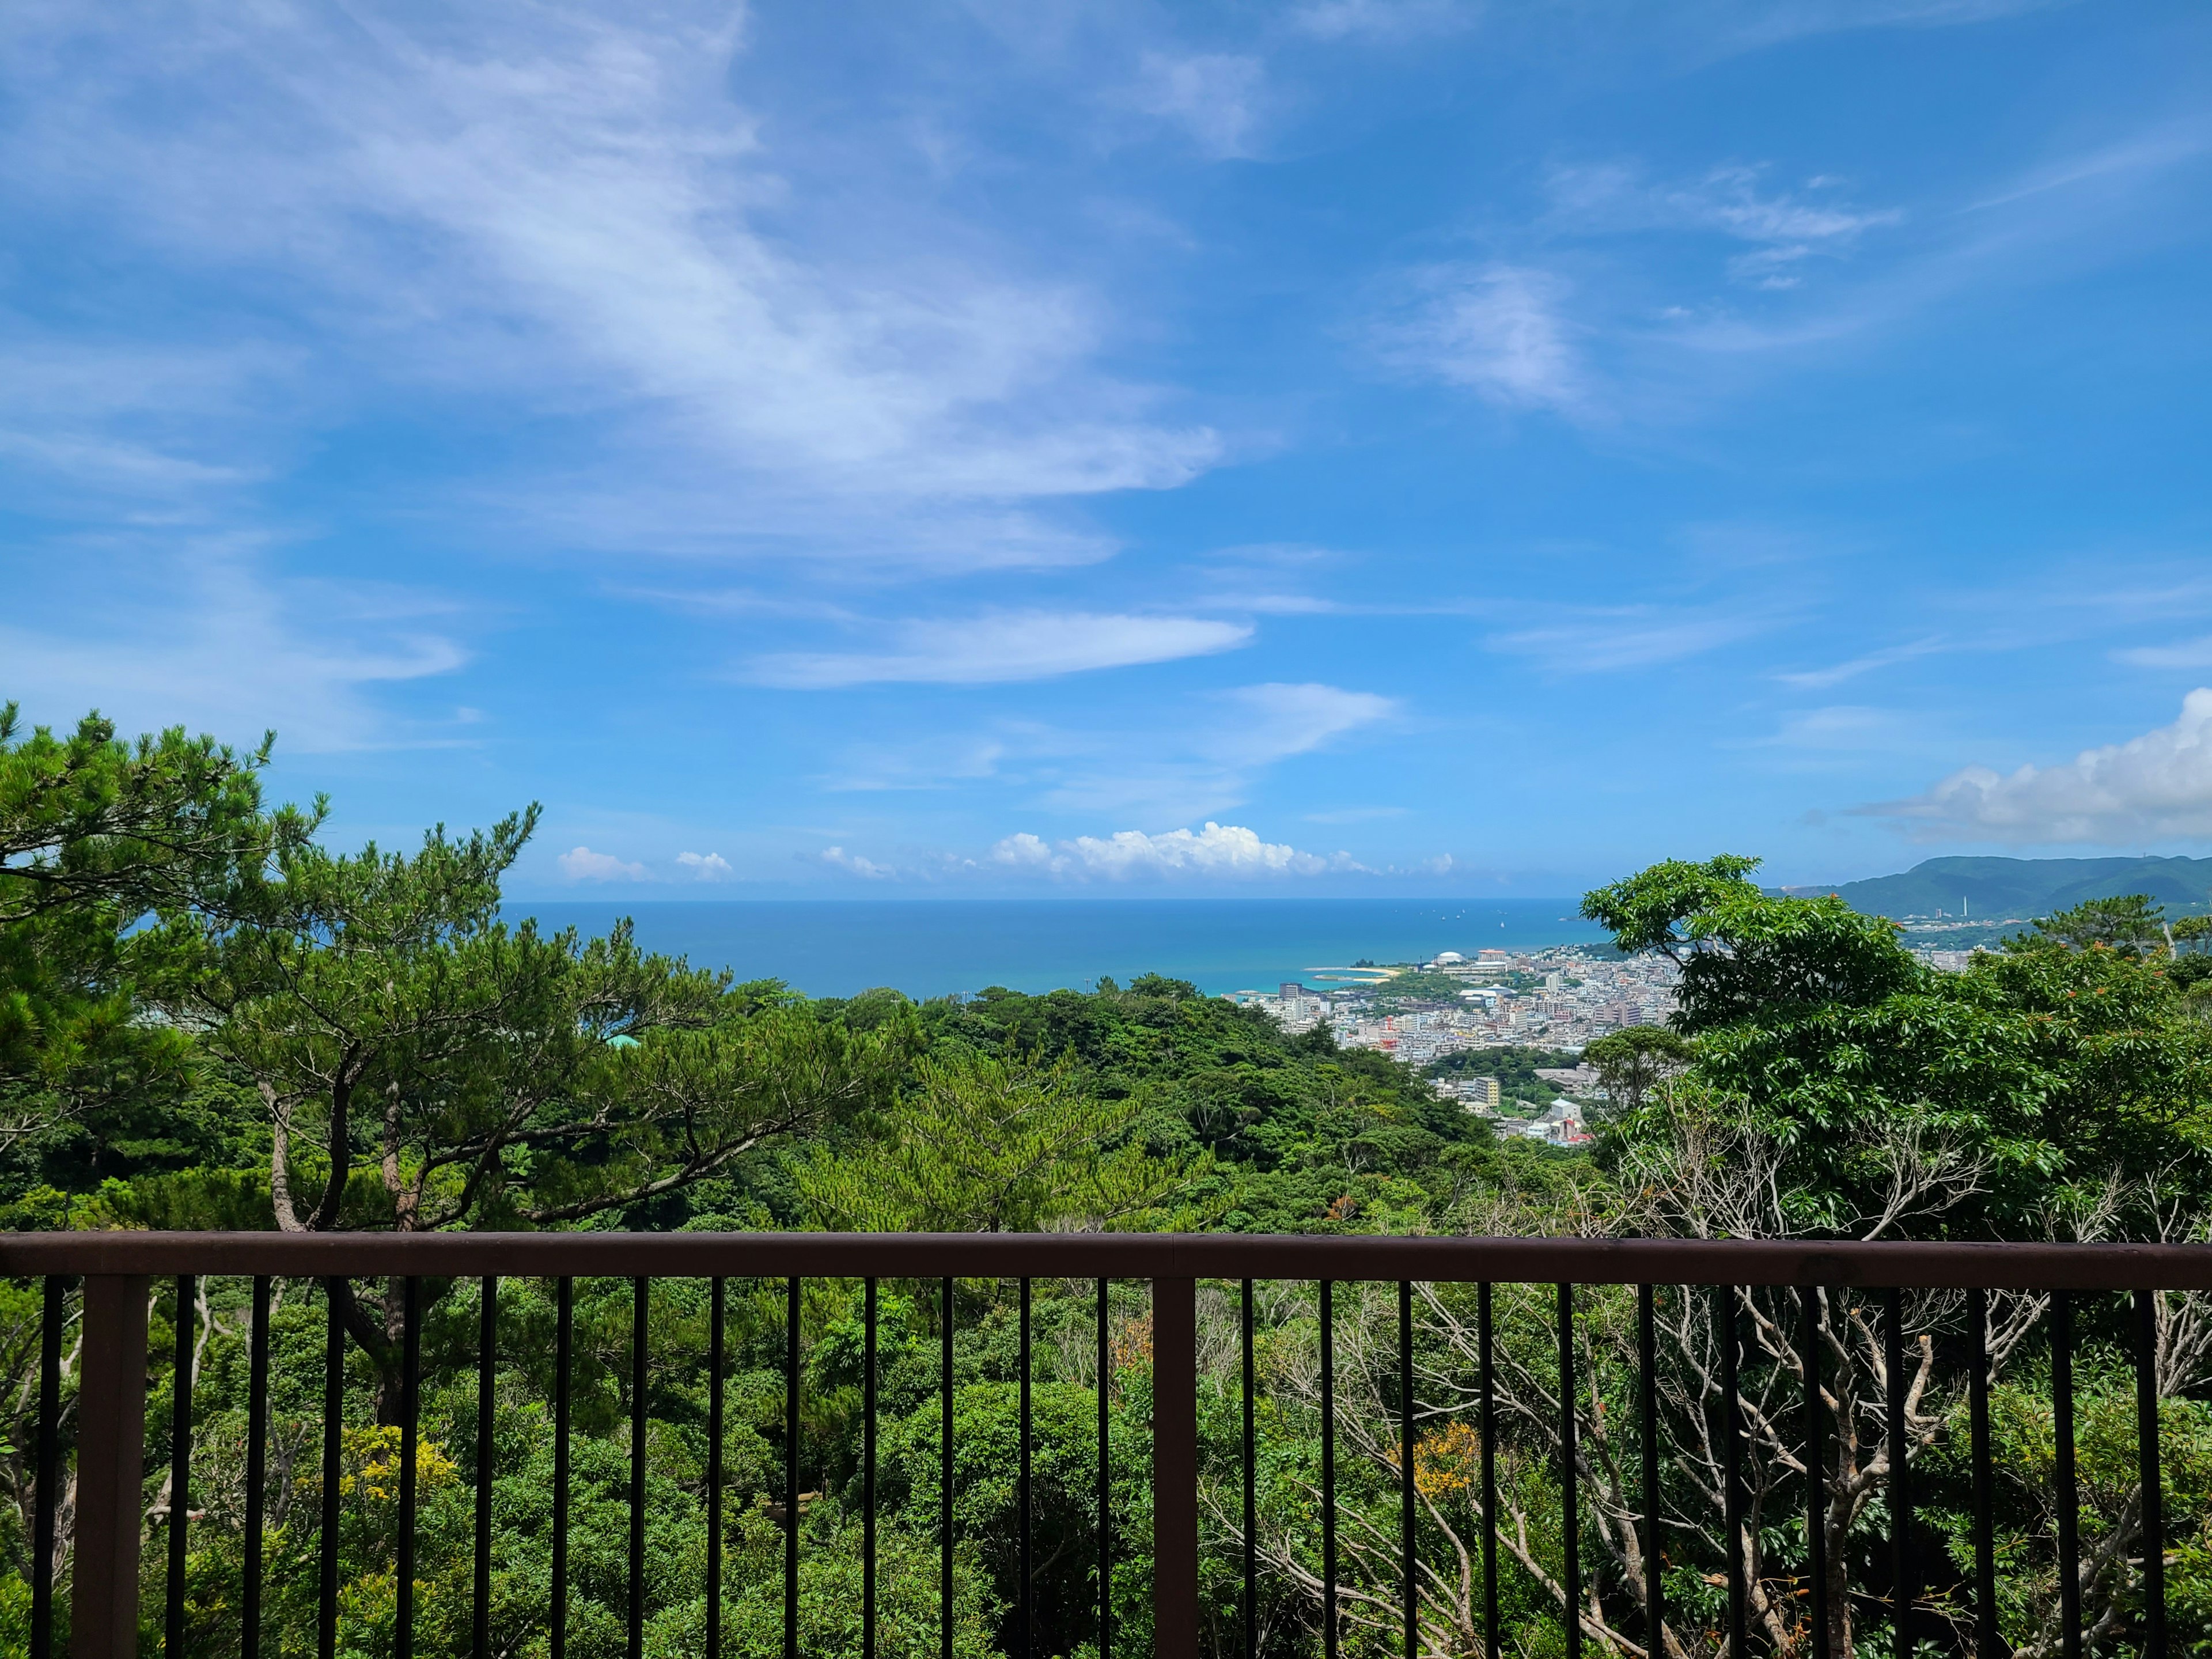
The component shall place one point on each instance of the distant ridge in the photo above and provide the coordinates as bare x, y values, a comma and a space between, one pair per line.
1998, 888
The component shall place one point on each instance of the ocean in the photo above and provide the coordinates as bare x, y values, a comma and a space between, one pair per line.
932, 948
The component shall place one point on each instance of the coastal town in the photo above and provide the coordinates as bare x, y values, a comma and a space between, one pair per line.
1559, 999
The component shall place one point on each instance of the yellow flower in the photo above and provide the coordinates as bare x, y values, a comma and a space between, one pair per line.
372, 1466
1446, 1462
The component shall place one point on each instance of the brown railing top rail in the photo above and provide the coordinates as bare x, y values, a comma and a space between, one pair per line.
1124, 1255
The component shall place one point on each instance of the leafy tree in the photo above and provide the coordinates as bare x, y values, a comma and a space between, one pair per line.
423, 1066
2050, 1073
96, 836
982, 1145
1631, 1062
2134, 923
1742, 953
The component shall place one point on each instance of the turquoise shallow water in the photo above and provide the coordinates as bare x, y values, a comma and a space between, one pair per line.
932, 948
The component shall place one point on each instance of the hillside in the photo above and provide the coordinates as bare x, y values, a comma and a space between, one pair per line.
1996, 887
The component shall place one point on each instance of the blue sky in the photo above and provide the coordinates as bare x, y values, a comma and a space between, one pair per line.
1341, 446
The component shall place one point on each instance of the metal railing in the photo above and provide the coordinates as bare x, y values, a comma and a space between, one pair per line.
118, 1270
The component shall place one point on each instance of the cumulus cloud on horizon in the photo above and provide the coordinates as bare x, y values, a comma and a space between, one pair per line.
582, 864
868, 869
2157, 785
1218, 849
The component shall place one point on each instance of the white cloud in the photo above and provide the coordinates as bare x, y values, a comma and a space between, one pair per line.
1023, 849
1497, 330
1203, 763
1636, 637
1819, 679
582, 864
1199, 764
1844, 727
564, 209
1750, 28
1003, 646
2186, 654
1786, 227
1273, 722
868, 869
1215, 850
1386, 20
1210, 95
2150, 787
705, 866
215, 642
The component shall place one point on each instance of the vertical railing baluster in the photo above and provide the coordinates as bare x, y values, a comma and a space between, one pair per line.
2153, 1491
327, 1601
2068, 1496
1727, 1327
564, 1332
791, 1470
1569, 1476
1900, 1489
868, 1472
1251, 1492
1492, 1636
52, 1312
1025, 1593
1175, 1630
1647, 1384
487, 1466
257, 1469
717, 1298
1406, 1518
1328, 1469
944, 1479
411, 1368
181, 1468
1987, 1642
111, 1497
1816, 1469
1105, 1474
640, 1303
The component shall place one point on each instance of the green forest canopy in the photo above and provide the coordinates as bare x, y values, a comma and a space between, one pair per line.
197, 1000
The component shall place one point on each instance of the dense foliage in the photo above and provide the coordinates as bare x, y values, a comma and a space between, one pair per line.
207, 1020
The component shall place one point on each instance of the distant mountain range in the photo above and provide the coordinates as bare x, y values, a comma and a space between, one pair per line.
1999, 887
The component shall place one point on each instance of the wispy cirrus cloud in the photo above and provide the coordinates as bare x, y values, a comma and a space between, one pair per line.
1783, 227
1211, 97
1206, 761
1749, 29
1272, 722
1820, 679
1209, 763
2183, 653
1391, 21
1000, 647
1498, 330
567, 211
1630, 636
219, 642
